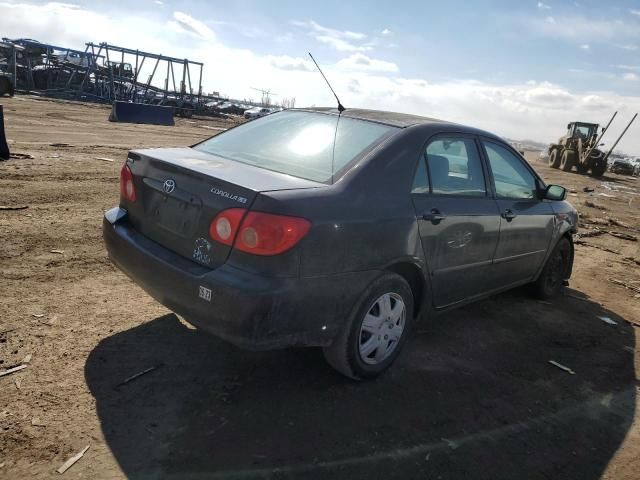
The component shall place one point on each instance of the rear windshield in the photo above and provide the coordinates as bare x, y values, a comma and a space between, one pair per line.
298, 143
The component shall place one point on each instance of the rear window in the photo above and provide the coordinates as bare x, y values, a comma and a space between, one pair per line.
298, 143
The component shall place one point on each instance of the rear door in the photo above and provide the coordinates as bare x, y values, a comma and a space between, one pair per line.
457, 218
526, 221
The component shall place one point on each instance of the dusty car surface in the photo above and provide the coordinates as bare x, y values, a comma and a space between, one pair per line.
305, 228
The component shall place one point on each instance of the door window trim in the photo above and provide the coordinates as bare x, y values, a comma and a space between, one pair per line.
488, 180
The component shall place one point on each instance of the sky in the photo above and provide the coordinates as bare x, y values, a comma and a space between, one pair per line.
522, 69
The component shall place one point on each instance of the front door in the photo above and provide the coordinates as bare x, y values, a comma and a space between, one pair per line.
526, 221
458, 220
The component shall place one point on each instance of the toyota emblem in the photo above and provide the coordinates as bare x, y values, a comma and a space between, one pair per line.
169, 186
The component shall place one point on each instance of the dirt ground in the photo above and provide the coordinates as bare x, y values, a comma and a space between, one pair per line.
472, 396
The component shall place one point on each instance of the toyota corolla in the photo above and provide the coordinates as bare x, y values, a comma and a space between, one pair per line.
310, 228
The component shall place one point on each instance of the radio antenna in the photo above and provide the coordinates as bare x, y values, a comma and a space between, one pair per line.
340, 107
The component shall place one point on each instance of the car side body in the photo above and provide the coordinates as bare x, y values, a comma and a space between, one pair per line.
368, 221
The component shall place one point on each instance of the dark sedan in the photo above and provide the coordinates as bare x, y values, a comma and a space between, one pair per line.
306, 228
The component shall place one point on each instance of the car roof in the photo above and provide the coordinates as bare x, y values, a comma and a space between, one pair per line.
394, 119
402, 120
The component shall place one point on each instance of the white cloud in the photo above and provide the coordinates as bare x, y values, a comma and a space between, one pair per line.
631, 77
341, 40
360, 62
193, 26
284, 62
386, 32
634, 12
580, 28
629, 67
342, 45
543, 6
585, 46
630, 47
515, 110
158, 2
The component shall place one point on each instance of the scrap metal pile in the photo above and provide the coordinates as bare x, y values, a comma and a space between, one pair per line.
103, 73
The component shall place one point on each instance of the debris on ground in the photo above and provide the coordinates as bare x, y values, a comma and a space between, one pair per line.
604, 249
27, 358
632, 260
21, 156
13, 207
138, 375
618, 223
60, 145
13, 370
57, 251
608, 320
105, 159
36, 422
633, 288
69, 463
562, 367
37, 315
590, 204
213, 128
18, 383
588, 189
591, 233
624, 236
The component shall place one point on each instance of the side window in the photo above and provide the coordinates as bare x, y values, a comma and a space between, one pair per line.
455, 167
511, 177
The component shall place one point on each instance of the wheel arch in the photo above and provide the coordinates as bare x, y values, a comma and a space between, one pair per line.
413, 275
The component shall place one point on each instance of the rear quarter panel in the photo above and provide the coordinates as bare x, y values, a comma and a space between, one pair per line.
365, 221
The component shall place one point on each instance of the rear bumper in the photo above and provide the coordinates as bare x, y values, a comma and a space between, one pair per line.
249, 310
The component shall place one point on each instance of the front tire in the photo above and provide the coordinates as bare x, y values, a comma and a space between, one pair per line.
567, 161
372, 338
555, 271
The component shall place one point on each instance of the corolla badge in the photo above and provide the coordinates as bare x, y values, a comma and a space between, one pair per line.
169, 186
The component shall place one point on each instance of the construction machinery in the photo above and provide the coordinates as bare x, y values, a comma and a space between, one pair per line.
580, 148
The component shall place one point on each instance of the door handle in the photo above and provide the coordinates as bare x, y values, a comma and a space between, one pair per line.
508, 215
434, 216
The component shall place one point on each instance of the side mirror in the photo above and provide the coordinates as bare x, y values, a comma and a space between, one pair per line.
555, 192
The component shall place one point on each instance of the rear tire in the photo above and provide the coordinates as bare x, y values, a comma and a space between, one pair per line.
568, 160
598, 170
4, 87
554, 158
555, 271
373, 336
581, 168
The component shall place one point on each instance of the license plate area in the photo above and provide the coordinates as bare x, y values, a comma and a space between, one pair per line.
172, 214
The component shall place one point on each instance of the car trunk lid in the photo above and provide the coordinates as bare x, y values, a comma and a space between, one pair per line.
180, 191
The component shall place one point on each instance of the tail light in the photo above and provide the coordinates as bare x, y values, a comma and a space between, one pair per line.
127, 188
224, 227
258, 233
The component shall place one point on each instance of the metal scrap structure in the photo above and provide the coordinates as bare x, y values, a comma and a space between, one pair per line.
105, 73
